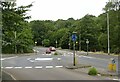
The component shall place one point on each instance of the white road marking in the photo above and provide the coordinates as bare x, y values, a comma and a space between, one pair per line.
47, 54
28, 58
59, 58
28, 67
32, 60
2, 59
117, 79
8, 67
49, 66
58, 66
37, 51
86, 57
38, 67
1, 67
8, 58
43, 59
18, 67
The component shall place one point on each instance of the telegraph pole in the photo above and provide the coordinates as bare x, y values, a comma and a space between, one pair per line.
108, 33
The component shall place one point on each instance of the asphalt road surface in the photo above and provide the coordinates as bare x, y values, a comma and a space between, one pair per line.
49, 67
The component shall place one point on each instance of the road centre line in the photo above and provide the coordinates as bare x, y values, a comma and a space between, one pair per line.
28, 67
8, 67
58, 66
38, 67
18, 67
49, 66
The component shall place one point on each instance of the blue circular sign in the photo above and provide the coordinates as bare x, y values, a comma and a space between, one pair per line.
74, 37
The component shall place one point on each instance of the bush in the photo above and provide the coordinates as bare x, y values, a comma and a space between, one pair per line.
55, 53
92, 71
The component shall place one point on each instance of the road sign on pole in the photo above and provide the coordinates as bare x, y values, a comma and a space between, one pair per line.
74, 37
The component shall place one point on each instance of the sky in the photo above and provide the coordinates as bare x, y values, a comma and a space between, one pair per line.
63, 9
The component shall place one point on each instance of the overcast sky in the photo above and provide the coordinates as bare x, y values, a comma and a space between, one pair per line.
63, 9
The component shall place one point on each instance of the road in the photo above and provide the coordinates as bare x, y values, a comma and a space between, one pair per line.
48, 67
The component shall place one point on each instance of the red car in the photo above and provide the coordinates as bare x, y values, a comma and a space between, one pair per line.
48, 51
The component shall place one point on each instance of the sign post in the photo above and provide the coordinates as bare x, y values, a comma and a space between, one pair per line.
74, 37
87, 42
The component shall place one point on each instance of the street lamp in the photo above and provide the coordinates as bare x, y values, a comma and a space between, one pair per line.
69, 45
108, 33
87, 42
56, 43
35, 43
15, 43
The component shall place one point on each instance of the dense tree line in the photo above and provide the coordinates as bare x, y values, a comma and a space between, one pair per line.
52, 33
19, 35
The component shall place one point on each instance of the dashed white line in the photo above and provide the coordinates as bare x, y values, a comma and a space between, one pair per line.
8, 67
17, 67
28, 67
58, 66
38, 67
49, 66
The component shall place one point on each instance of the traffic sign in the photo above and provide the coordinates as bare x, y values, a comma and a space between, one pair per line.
74, 37
87, 41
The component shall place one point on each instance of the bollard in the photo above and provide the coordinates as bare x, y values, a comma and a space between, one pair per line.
112, 65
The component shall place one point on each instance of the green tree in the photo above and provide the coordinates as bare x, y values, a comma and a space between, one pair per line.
17, 36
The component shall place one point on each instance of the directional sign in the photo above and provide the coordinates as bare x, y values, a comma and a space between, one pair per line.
74, 37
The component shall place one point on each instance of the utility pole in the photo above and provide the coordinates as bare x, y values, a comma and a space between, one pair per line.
87, 42
15, 43
79, 42
56, 43
108, 33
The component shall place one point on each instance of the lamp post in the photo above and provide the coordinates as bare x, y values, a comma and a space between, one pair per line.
35, 43
15, 43
56, 43
69, 45
87, 42
108, 33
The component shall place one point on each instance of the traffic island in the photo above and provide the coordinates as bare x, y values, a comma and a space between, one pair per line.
78, 66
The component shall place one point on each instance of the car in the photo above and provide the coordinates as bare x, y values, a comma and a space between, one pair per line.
52, 49
48, 51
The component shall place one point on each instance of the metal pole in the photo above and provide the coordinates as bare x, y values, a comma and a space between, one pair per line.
15, 43
74, 54
79, 42
56, 43
87, 48
108, 33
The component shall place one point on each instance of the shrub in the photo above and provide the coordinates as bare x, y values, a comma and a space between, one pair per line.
92, 71
55, 53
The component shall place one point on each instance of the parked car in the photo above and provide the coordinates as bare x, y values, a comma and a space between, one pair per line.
52, 49
48, 51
